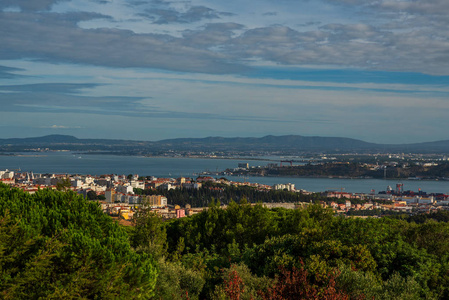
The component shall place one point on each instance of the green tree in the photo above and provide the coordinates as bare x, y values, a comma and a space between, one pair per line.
176, 281
91, 195
148, 234
63, 184
58, 245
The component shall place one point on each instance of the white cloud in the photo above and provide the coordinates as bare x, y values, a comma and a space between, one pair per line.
195, 35
61, 127
98, 60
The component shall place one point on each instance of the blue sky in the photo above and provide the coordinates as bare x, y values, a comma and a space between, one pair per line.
150, 70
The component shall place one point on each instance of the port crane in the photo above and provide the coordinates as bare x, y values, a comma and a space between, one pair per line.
287, 161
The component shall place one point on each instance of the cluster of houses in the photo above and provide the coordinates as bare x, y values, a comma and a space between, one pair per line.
126, 211
402, 202
117, 193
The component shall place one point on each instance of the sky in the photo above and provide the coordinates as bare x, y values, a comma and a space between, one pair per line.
375, 70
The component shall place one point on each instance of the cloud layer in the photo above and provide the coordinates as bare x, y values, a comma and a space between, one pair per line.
357, 68
388, 35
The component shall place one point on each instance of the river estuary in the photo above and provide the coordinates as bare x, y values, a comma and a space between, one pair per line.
96, 164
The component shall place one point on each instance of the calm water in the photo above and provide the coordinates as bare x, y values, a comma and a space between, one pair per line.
351, 185
67, 162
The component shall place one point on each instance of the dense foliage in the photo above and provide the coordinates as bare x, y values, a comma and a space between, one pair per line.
57, 245
211, 192
204, 196
255, 253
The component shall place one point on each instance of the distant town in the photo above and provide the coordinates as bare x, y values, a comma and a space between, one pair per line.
122, 195
381, 166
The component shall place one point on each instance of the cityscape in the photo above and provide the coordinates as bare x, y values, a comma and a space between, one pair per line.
122, 195
154, 209
224, 150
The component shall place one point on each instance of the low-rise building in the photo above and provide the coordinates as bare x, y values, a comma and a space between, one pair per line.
154, 201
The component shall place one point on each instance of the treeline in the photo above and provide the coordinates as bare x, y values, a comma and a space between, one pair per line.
225, 194
439, 216
353, 170
251, 252
211, 192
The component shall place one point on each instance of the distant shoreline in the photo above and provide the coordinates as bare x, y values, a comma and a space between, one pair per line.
220, 172
335, 177
193, 156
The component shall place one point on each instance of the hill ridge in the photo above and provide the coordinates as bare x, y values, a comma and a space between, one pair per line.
217, 143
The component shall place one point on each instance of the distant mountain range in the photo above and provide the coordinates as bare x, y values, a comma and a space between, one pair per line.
284, 144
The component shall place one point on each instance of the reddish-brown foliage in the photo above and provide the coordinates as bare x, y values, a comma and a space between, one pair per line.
295, 284
234, 285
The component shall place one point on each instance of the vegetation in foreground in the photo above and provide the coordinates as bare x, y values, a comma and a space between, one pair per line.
59, 245
311, 252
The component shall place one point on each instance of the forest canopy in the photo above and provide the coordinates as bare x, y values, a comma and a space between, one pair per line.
57, 245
